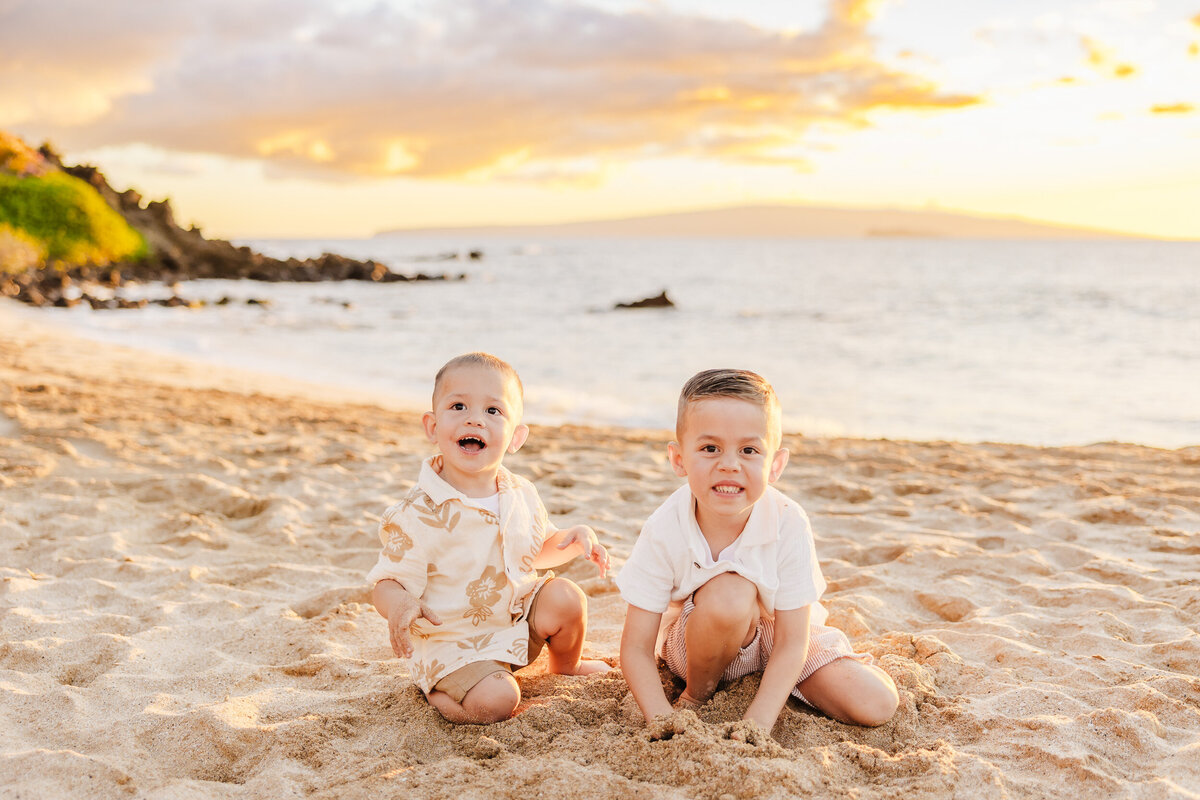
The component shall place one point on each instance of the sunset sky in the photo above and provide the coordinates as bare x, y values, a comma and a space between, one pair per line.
341, 118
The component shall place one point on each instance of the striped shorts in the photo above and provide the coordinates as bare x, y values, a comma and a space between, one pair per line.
825, 645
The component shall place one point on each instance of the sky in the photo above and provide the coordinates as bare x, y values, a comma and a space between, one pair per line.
340, 118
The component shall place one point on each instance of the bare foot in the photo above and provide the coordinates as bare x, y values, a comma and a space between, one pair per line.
586, 667
685, 701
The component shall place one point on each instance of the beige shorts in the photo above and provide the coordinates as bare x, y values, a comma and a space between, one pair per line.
825, 645
464, 679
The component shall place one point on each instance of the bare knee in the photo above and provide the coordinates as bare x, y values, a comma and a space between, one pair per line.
493, 699
852, 692
560, 603
727, 602
874, 706
873, 700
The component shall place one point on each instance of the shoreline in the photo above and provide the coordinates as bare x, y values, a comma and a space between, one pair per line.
183, 560
182, 370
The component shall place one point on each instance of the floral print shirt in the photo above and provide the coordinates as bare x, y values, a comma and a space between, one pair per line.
472, 567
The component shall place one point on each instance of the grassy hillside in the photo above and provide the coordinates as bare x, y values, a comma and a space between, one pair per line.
50, 218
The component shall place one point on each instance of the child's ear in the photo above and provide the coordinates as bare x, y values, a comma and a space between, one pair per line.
429, 422
520, 434
675, 454
778, 462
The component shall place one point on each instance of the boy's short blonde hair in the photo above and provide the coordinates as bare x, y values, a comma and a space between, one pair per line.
738, 384
478, 359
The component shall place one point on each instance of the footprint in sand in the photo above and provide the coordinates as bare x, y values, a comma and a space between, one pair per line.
914, 487
330, 600
100, 654
842, 490
1110, 513
202, 494
948, 607
870, 556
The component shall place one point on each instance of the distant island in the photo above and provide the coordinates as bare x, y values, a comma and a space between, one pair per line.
788, 221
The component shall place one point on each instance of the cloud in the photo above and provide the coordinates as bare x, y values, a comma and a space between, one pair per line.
528, 89
1173, 108
1102, 59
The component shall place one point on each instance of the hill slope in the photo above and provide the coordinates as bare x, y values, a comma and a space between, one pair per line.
789, 221
49, 216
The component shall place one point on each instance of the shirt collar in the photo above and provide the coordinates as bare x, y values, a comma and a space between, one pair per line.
761, 528
433, 484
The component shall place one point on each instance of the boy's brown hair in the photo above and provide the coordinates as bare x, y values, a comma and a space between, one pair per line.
480, 359
738, 384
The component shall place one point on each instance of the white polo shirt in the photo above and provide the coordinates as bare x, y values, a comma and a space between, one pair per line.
775, 551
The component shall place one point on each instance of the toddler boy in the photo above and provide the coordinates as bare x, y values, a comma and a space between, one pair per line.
457, 577
732, 562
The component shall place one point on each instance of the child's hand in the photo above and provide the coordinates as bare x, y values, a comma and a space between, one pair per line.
666, 726
402, 616
593, 551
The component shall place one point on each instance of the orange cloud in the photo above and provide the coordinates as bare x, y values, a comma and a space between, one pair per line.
1173, 108
1102, 59
474, 89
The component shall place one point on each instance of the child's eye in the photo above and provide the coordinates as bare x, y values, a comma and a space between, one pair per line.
749, 451
457, 406
493, 410
708, 448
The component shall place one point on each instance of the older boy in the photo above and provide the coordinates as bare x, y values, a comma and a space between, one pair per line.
732, 562
460, 554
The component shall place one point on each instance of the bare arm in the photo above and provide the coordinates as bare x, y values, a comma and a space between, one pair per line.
565, 544
783, 667
399, 607
637, 662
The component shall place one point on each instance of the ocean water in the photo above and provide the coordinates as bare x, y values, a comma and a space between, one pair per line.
1032, 342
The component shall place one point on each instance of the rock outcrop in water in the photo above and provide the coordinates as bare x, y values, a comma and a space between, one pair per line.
660, 300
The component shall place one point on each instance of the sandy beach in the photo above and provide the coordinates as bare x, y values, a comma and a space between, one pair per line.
184, 613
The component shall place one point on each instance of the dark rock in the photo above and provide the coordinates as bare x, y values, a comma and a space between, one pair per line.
438, 257
658, 301
97, 303
48, 152
178, 254
475, 255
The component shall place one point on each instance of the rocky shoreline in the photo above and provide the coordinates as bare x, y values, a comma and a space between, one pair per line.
178, 254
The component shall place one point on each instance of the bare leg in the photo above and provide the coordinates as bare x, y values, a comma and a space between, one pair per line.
852, 692
561, 619
723, 621
493, 699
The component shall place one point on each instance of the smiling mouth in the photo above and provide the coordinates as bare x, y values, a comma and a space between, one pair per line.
472, 444
728, 490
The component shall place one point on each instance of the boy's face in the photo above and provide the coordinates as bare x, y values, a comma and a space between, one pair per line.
728, 454
476, 418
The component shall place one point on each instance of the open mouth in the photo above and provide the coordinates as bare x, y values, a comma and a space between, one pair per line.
728, 489
472, 444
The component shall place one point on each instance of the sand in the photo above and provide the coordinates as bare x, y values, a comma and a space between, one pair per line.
183, 612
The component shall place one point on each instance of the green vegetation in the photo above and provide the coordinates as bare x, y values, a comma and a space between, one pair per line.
66, 219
